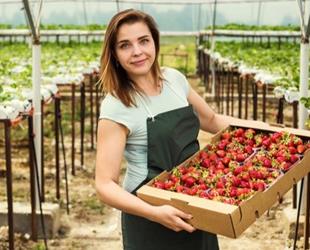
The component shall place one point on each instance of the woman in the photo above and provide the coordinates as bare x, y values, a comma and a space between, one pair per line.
153, 117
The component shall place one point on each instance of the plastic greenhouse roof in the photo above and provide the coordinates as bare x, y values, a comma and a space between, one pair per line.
154, 1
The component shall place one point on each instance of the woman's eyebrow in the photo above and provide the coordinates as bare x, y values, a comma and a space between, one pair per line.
127, 40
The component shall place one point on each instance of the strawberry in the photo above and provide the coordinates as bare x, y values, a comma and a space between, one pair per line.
203, 186
221, 191
169, 185
221, 153
294, 158
248, 149
239, 132
292, 150
159, 184
300, 148
180, 188
193, 191
226, 135
205, 163
233, 192
237, 170
267, 163
249, 133
236, 181
240, 157
203, 155
226, 160
189, 181
266, 142
219, 184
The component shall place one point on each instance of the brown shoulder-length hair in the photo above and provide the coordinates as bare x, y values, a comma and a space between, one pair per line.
113, 78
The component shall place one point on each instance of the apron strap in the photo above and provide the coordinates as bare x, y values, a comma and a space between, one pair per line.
182, 97
149, 112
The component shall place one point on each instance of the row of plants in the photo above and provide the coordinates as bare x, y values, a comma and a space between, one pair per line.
281, 66
61, 63
66, 63
229, 26
56, 26
235, 26
283, 62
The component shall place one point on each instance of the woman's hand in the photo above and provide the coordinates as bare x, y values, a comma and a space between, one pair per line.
172, 218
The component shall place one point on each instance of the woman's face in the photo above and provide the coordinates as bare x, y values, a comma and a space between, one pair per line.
135, 49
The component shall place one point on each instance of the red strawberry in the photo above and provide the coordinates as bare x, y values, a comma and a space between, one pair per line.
159, 184
205, 163
233, 192
301, 148
220, 184
237, 170
169, 184
266, 142
203, 155
221, 153
239, 132
226, 160
226, 135
248, 149
235, 181
294, 158
190, 181
267, 163
292, 150
240, 157
203, 186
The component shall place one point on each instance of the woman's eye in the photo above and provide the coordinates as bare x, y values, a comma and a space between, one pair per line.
144, 41
124, 46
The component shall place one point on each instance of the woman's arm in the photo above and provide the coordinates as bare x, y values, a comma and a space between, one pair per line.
110, 147
212, 122
209, 120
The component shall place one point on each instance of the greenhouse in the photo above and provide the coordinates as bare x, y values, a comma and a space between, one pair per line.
84, 89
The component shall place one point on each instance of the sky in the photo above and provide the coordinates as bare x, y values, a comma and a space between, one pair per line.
169, 17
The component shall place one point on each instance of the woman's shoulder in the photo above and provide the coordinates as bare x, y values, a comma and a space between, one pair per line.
112, 104
171, 72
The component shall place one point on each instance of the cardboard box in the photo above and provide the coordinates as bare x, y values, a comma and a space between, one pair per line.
225, 219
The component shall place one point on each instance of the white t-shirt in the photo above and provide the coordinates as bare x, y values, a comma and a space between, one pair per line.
134, 118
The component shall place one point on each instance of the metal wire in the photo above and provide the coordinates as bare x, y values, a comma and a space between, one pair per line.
164, 2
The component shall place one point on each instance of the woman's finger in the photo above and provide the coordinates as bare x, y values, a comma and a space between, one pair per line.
185, 226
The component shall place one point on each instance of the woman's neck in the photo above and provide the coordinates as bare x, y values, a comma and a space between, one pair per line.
148, 85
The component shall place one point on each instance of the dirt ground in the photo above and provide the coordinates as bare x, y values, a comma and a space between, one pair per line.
92, 225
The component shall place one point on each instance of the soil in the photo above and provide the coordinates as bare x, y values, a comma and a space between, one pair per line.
92, 225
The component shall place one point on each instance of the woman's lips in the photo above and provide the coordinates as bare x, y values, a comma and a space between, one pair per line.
139, 63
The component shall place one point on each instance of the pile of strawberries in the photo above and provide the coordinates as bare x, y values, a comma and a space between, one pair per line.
231, 170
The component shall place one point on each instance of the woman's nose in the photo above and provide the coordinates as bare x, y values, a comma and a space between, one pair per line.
136, 50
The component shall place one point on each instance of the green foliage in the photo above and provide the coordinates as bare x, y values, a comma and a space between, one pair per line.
235, 26
58, 27
39, 246
283, 62
306, 102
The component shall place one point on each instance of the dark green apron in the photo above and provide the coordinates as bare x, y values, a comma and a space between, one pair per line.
172, 138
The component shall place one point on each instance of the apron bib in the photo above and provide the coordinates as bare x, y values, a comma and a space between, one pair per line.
172, 138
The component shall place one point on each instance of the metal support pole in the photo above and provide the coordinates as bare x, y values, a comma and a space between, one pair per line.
57, 165
73, 129
91, 112
240, 82
8, 162
42, 154
82, 120
32, 180
254, 93
264, 101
